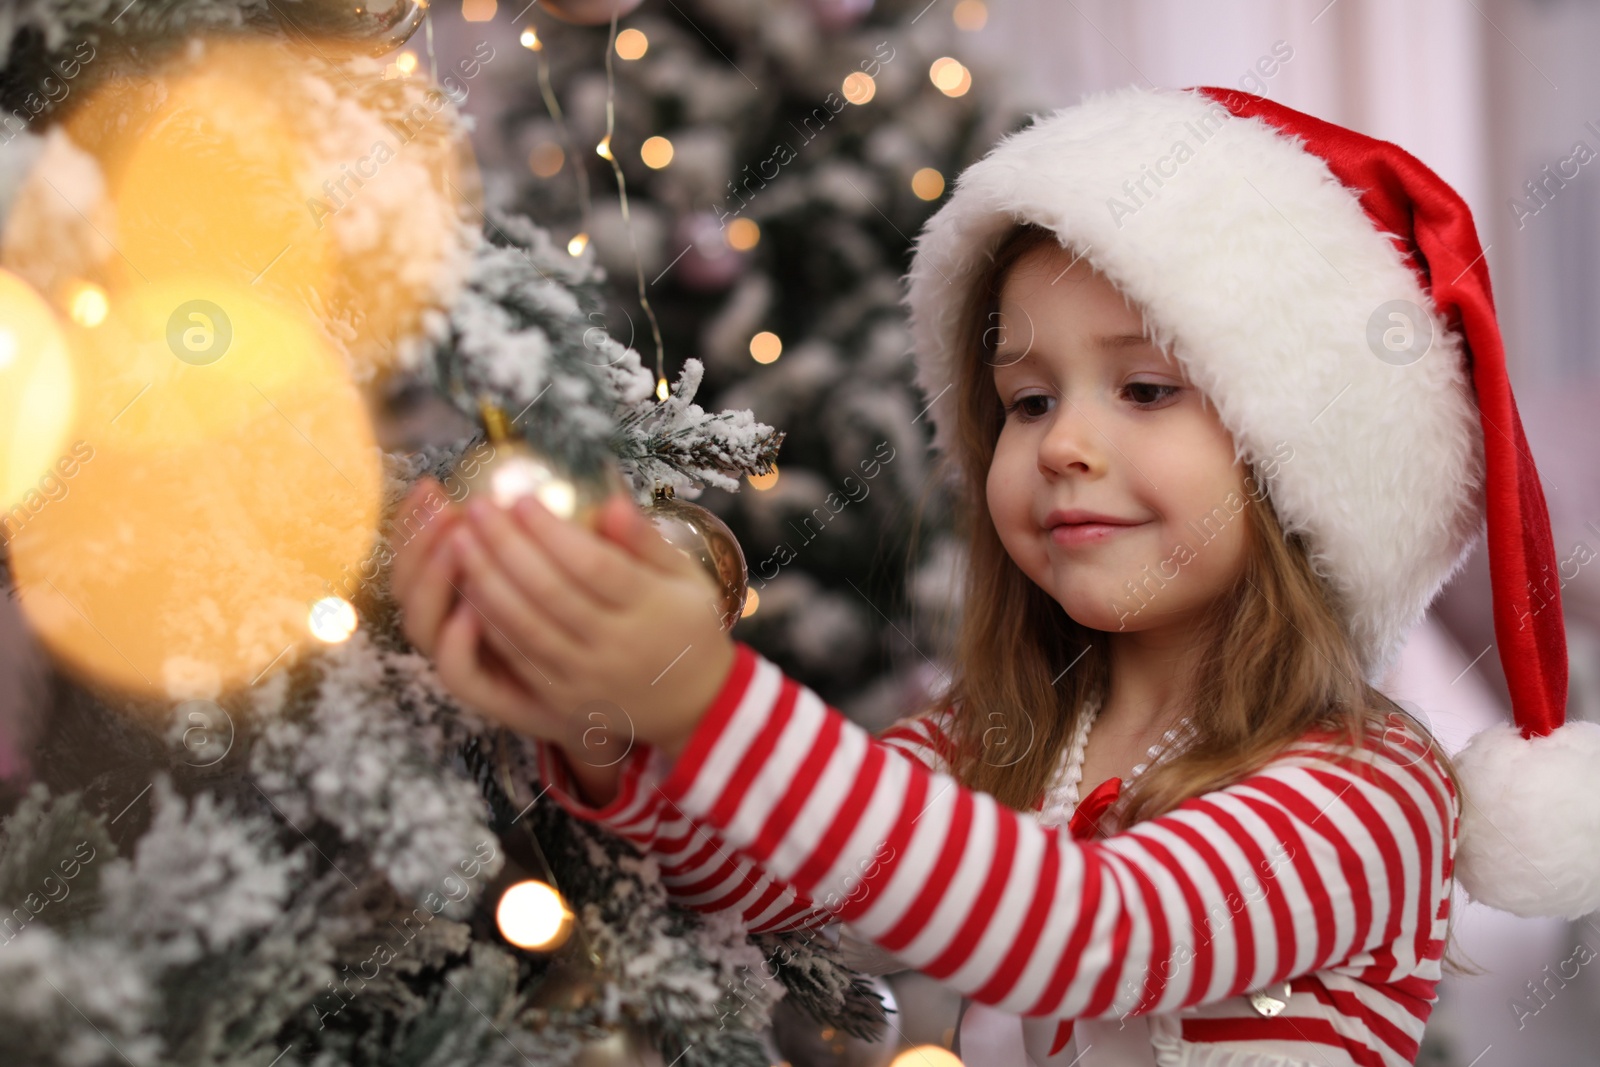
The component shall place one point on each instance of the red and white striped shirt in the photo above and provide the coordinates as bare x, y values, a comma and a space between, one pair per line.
1330, 869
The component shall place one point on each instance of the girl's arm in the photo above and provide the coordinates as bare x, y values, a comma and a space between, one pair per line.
1314, 861
700, 870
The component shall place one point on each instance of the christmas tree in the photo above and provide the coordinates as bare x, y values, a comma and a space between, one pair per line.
260, 831
777, 157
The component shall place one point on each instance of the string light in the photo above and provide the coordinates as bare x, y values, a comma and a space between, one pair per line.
859, 88
530, 40
743, 234
546, 159
478, 10
656, 152
576, 246
765, 347
763, 481
970, 16
632, 44
627, 218
603, 149
926, 1056
951, 78
752, 600
332, 620
89, 305
928, 184
532, 915
406, 61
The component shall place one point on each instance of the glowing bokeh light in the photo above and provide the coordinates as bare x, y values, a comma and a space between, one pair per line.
765, 347
546, 159
532, 915
926, 1056
36, 399
332, 620
656, 152
764, 481
632, 44
89, 305
234, 478
927, 184
743, 234
859, 88
970, 16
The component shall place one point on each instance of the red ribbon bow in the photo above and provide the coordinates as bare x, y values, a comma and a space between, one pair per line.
1084, 824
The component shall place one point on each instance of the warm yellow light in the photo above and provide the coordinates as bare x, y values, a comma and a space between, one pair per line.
89, 305
406, 61
928, 184
36, 399
765, 347
662, 392
222, 181
238, 459
656, 152
603, 149
763, 481
532, 915
478, 10
530, 40
971, 15
948, 75
332, 620
632, 44
859, 88
546, 159
576, 246
752, 600
963, 85
743, 234
926, 1056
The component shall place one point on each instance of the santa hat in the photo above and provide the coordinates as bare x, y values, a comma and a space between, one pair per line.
1327, 291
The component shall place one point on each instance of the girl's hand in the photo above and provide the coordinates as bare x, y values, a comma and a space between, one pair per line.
618, 632
421, 576
425, 580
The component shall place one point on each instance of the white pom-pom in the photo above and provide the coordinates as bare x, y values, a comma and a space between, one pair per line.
1530, 828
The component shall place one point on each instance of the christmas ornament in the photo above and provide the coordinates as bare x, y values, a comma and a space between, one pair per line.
375, 26
626, 1046
706, 539
515, 469
710, 264
588, 12
804, 1042
836, 15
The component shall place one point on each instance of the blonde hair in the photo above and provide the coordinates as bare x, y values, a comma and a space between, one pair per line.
1277, 660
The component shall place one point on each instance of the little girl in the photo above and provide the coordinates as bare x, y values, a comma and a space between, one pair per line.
1222, 396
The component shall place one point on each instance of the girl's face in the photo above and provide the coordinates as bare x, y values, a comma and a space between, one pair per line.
1098, 419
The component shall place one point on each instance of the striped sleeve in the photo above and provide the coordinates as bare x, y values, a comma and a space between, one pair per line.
699, 870
1317, 859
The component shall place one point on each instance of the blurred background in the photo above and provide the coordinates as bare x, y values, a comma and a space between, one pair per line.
771, 247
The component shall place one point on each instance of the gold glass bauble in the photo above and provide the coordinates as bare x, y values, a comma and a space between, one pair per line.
376, 26
506, 468
626, 1046
706, 539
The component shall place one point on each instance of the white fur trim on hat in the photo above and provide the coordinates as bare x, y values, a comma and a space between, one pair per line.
1257, 269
